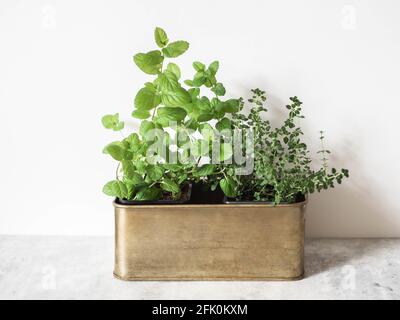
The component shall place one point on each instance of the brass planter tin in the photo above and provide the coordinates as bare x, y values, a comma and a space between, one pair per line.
209, 242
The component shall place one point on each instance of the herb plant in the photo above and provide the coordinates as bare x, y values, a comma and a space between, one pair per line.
165, 104
282, 163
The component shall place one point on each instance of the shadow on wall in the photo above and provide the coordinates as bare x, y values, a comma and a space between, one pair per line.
354, 209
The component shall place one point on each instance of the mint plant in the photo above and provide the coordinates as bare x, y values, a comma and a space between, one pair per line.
282, 162
147, 172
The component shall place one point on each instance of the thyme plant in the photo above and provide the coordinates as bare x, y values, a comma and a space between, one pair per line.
282, 162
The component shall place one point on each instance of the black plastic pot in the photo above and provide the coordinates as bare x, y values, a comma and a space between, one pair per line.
158, 202
299, 198
202, 194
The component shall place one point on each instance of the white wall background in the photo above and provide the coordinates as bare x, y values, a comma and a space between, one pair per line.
63, 64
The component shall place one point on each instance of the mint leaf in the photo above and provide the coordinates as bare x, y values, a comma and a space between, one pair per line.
171, 114
133, 142
175, 49
199, 79
172, 67
168, 81
145, 127
116, 188
147, 194
155, 173
150, 62
188, 83
160, 36
175, 98
223, 124
213, 67
225, 151
230, 106
146, 99
115, 150
198, 66
205, 170
228, 187
140, 114
219, 89
170, 186
111, 121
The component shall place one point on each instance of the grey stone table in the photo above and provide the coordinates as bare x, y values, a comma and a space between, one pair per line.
38, 267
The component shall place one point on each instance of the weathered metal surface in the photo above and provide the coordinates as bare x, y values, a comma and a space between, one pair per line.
209, 242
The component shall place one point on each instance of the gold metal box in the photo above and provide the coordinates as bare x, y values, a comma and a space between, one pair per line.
209, 242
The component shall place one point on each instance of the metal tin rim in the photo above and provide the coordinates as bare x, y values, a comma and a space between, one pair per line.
242, 205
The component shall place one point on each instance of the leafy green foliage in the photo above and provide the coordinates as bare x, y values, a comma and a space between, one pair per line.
150, 62
144, 173
111, 121
115, 188
171, 114
160, 37
172, 67
147, 99
175, 49
228, 186
140, 114
179, 116
282, 164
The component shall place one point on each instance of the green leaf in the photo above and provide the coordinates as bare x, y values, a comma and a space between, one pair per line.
177, 98
171, 114
168, 81
207, 131
228, 187
147, 194
141, 167
203, 117
203, 105
146, 99
199, 79
170, 186
116, 188
119, 126
115, 150
205, 170
132, 176
150, 62
172, 167
223, 124
191, 124
188, 83
213, 67
161, 37
200, 148
111, 121
231, 106
172, 67
175, 49
226, 151
140, 114
188, 108
198, 66
219, 89
145, 127
194, 93
133, 141
155, 173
